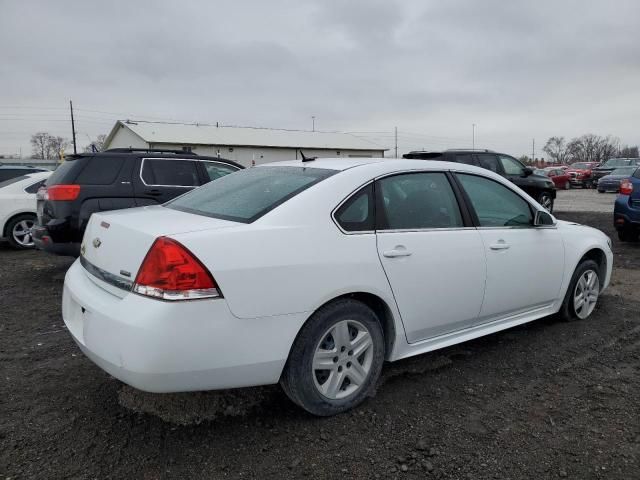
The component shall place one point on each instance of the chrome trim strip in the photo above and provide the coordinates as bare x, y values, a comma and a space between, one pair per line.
105, 276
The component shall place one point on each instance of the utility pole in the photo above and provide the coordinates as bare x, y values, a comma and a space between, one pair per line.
533, 151
73, 129
396, 136
473, 136
313, 123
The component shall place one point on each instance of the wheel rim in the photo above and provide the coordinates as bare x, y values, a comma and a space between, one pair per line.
586, 294
342, 359
22, 233
545, 201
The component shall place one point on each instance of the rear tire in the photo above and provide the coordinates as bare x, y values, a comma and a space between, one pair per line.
18, 231
584, 286
345, 336
600, 191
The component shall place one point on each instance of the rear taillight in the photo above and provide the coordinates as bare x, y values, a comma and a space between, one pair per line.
626, 187
171, 272
61, 192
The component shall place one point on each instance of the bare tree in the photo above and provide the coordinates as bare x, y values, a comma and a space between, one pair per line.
46, 146
556, 148
592, 148
629, 152
57, 146
40, 145
96, 145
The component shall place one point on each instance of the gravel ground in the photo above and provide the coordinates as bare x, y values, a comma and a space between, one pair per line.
544, 400
584, 200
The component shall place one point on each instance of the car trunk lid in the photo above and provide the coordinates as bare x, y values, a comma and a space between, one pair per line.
115, 243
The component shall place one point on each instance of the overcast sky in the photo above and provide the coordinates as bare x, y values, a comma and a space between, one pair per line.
517, 69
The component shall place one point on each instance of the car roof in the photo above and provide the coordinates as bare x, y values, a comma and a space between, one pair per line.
380, 165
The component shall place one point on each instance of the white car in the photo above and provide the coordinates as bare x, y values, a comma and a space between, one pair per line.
312, 274
18, 208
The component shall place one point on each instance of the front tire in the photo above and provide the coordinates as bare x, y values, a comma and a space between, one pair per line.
336, 359
583, 292
567, 185
546, 201
18, 231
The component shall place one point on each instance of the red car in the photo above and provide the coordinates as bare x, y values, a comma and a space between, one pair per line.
559, 177
580, 174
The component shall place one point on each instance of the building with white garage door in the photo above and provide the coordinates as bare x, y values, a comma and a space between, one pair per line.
248, 146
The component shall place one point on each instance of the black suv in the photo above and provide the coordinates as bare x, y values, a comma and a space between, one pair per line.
111, 180
537, 186
7, 172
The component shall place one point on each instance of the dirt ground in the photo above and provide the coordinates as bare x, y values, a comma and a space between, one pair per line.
544, 400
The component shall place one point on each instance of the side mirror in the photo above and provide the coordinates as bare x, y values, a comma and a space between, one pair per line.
527, 171
543, 219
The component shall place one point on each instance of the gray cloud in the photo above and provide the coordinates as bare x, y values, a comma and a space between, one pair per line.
517, 69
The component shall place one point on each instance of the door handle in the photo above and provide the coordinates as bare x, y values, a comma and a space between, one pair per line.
397, 252
499, 245
154, 192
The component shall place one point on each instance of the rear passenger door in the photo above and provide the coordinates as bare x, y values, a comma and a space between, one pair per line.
162, 179
433, 258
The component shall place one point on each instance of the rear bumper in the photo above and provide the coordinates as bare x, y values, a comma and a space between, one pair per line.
160, 346
625, 217
43, 240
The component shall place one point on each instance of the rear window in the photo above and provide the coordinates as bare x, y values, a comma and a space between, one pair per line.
247, 195
66, 172
100, 171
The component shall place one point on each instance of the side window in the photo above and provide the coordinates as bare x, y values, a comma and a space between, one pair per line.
488, 161
511, 166
465, 158
494, 204
416, 201
169, 172
34, 188
100, 171
357, 213
216, 170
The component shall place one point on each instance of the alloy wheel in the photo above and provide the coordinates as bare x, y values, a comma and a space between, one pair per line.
585, 295
22, 233
342, 359
546, 201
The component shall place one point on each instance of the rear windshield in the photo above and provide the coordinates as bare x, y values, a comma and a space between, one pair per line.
66, 172
247, 195
617, 162
624, 171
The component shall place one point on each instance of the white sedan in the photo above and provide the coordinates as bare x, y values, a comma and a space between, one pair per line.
313, 273
18, 208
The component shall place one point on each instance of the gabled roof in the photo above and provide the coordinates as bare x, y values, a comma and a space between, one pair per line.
198, 134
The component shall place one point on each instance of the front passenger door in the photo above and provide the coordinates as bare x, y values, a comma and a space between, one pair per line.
435, 263
525, 264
